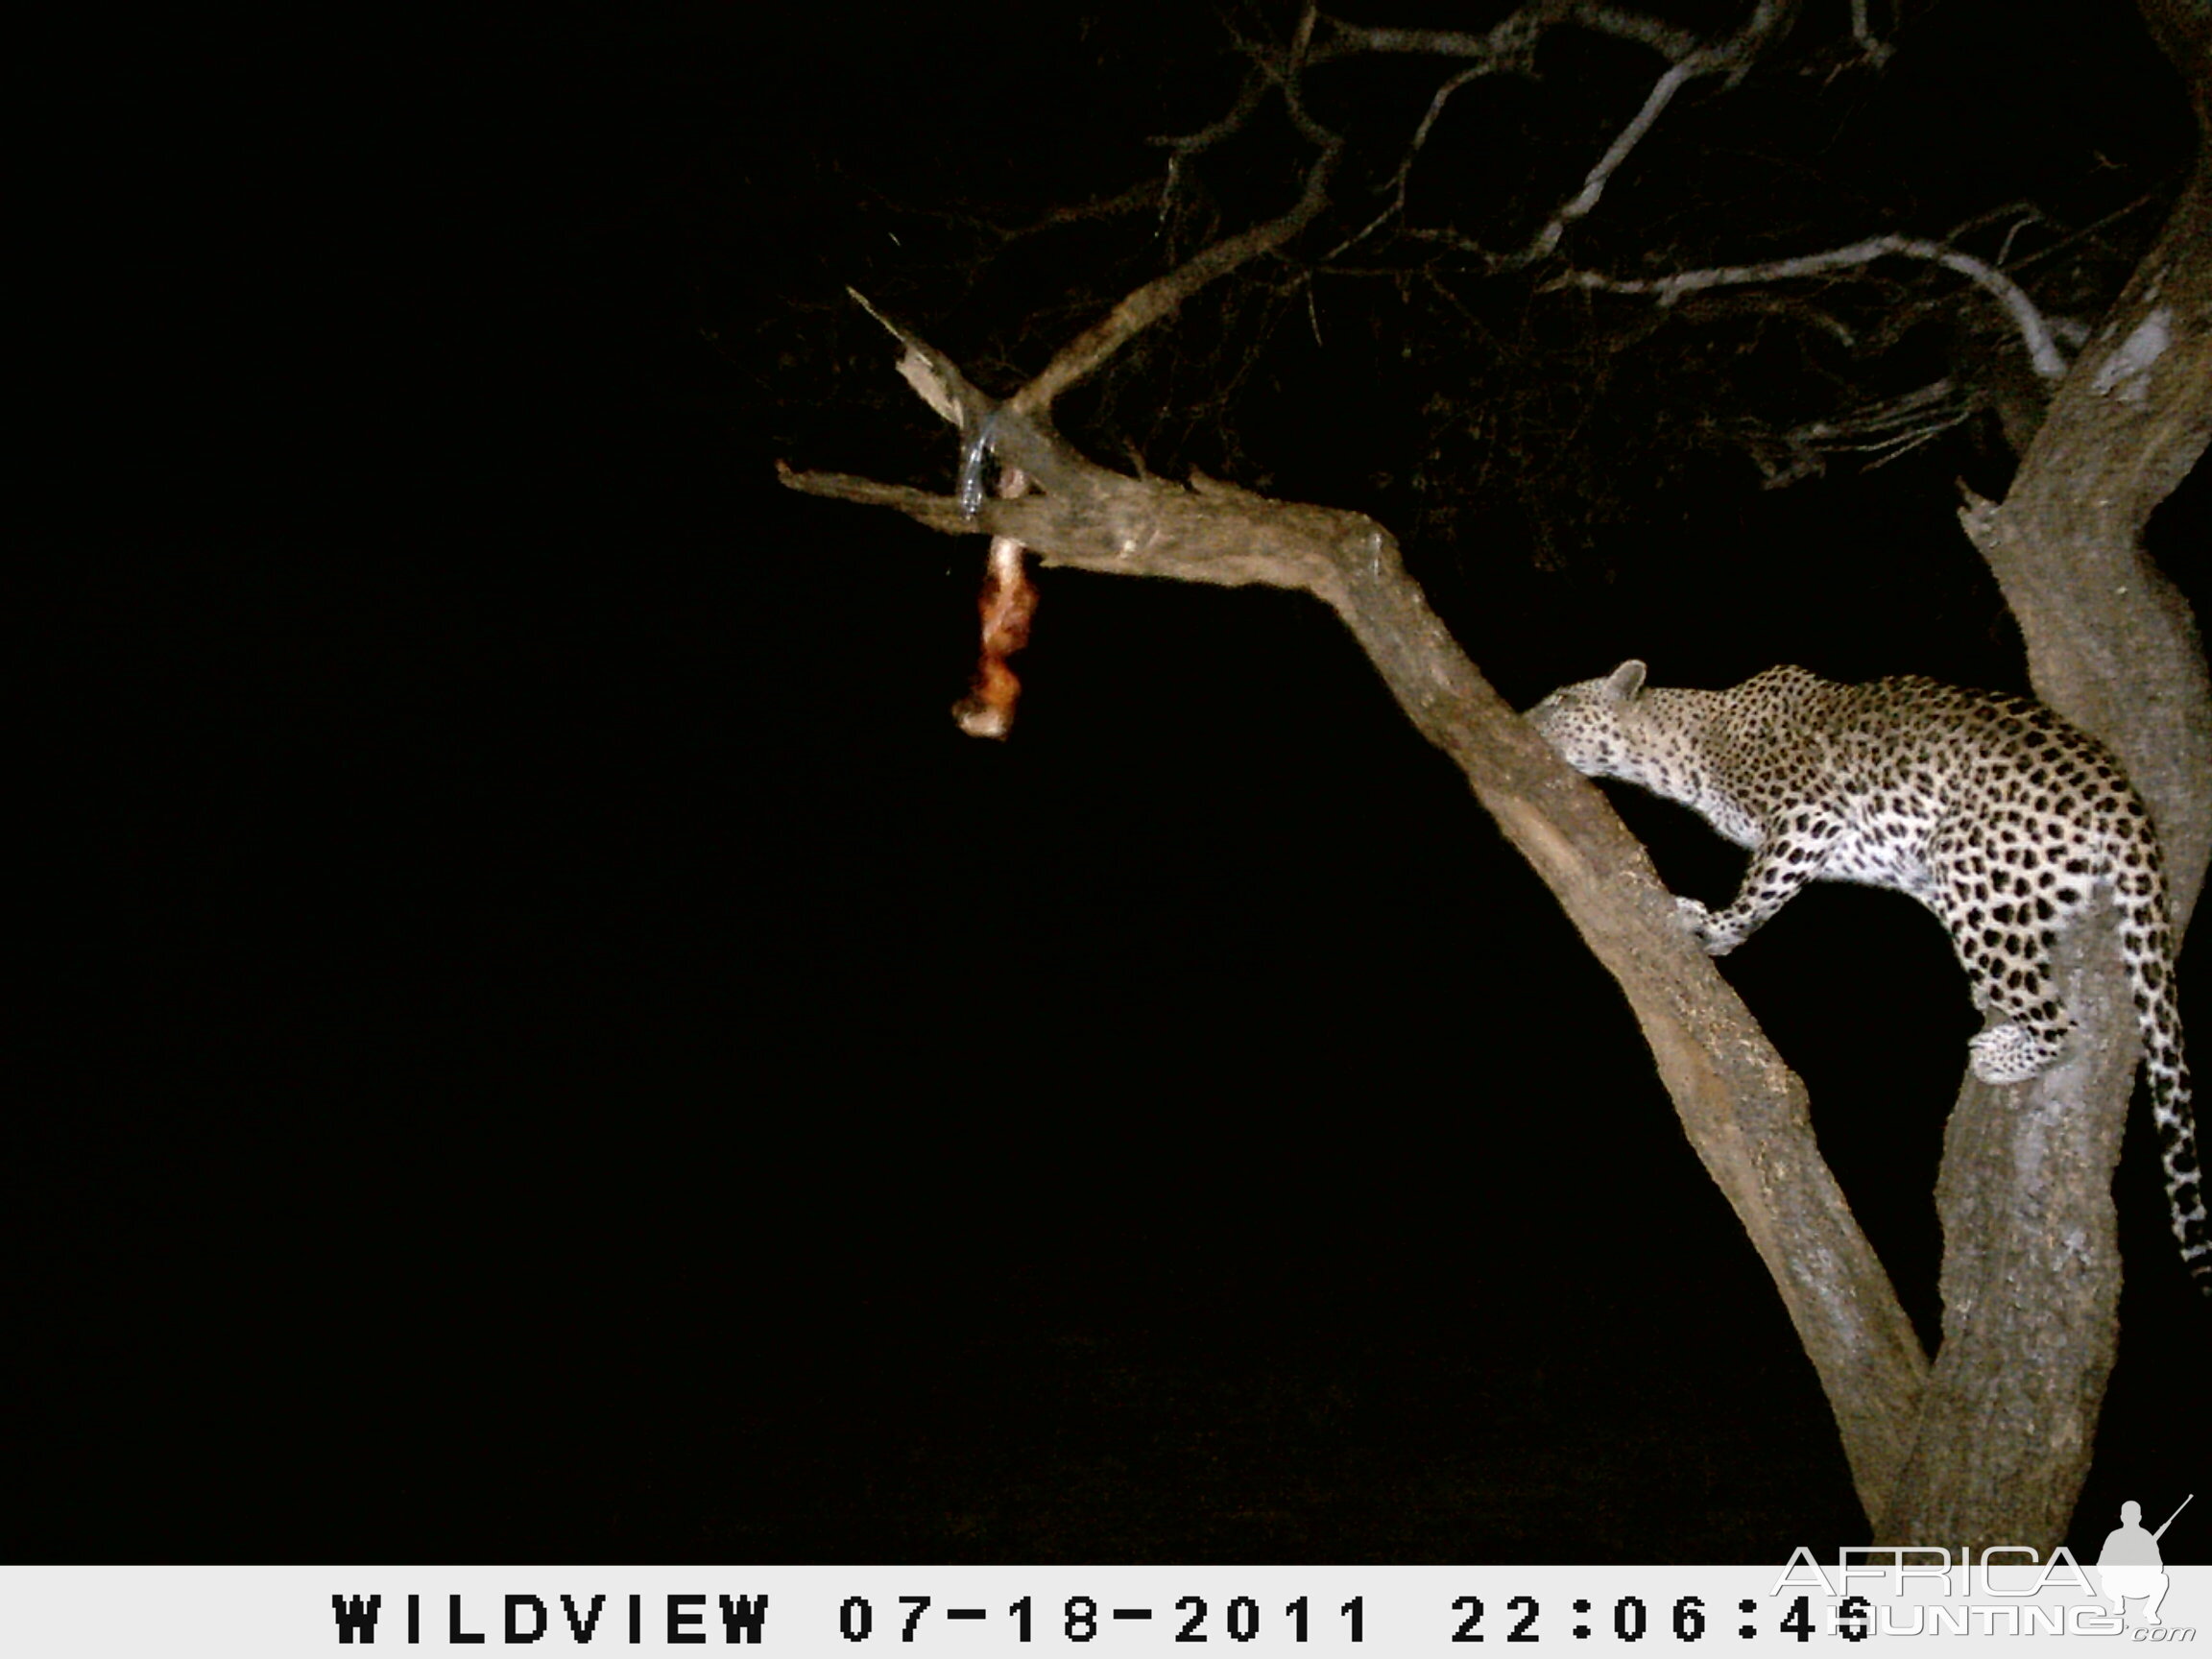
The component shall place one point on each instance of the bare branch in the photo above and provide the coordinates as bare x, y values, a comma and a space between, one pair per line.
1300, 43
1655, 104
1732, 56
1139, 195
1510, 47
1396, 187
1248, 100
1893, 428
2042, 349
2146, 199
1160, 298
1510, 42
1663, 38
1514, 39
1888, 431
2004, 248
1877, 51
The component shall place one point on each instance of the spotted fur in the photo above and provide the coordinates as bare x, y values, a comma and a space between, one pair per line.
1989, 810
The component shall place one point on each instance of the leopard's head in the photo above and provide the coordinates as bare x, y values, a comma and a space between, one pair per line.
1583, 721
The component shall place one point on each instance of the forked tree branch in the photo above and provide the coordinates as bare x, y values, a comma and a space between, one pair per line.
1510, 47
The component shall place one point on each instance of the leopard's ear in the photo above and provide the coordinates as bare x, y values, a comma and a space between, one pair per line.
1625, 680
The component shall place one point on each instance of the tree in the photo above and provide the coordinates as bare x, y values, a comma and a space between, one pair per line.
1991, 1444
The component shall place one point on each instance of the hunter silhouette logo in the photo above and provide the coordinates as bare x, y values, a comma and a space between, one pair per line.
2129, 1565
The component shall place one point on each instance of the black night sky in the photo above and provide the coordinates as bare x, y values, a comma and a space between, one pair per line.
545, 1041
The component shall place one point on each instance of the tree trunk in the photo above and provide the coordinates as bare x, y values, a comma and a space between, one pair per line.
2030, 1279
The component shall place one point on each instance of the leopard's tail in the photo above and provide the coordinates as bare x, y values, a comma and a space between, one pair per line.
2148, 941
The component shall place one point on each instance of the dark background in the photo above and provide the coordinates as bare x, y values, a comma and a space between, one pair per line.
545, 1041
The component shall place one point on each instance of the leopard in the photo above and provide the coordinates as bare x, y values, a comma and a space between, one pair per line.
1987, 808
